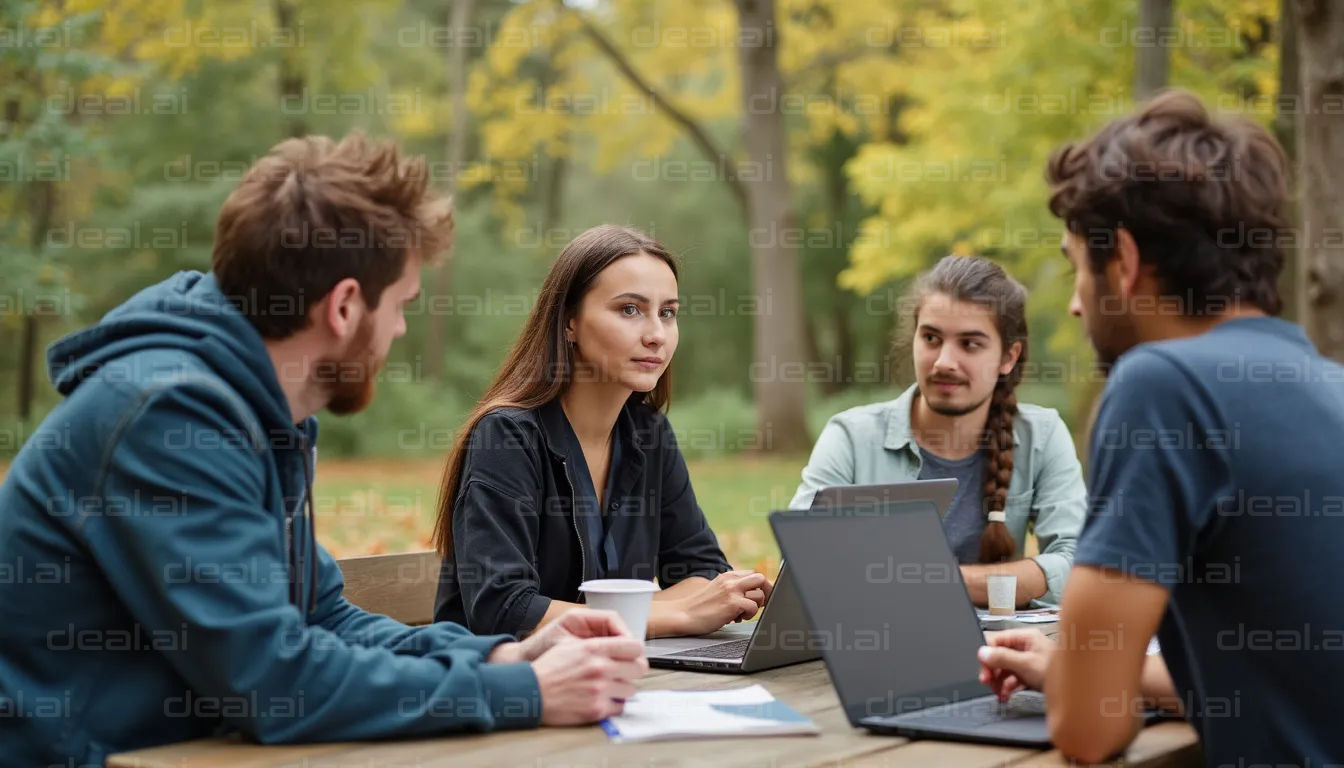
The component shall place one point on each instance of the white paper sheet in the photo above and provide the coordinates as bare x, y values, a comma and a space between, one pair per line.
663, 715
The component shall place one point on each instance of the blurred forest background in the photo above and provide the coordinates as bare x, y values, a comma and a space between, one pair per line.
806, 158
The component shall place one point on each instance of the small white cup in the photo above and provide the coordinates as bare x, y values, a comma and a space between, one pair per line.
631, 599
1002, 594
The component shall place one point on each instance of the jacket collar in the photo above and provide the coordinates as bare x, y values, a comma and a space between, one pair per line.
552, 419
899, 432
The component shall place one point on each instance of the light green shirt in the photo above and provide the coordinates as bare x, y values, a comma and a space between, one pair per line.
873, 444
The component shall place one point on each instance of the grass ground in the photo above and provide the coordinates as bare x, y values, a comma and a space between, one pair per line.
381, 507
378, 507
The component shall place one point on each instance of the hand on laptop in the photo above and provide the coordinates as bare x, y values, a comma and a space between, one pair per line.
1015, 659
732, 596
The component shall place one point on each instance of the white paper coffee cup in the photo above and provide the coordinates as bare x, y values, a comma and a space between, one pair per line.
630, 599
1002, 594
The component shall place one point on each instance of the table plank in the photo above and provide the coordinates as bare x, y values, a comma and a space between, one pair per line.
223, 753
944, 754
1164, 745
806, 687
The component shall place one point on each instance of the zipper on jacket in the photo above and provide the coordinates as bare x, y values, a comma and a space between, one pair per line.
310, 523
573, 514
289, 557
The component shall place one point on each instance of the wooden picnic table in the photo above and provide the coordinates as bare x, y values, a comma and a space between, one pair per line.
806, 687
403, 585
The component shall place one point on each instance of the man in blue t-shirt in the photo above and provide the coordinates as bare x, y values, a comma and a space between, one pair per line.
1217, 493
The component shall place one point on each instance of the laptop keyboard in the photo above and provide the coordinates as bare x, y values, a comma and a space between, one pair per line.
979, 712
731, 650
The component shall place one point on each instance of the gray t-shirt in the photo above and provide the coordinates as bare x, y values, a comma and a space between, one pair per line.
965, 519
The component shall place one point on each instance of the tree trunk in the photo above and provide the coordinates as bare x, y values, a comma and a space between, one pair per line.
42, 207
837, 193
555, 188
291, 70
27, 365
889, 368
1285, 129
844, 346
552, 202
1152, 61
459, 16
1320, 148
813, 346
778, 373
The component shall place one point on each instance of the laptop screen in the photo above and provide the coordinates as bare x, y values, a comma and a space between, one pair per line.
940, 492
886, 604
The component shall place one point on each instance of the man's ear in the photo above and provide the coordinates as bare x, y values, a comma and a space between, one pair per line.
344, 308
1127, 263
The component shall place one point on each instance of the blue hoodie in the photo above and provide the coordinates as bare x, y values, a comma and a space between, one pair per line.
149, 529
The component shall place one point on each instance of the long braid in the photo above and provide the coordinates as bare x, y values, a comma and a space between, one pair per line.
979, 281
996, 543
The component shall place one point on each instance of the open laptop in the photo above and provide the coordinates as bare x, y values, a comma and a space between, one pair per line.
940, 492
887, 579
779, 637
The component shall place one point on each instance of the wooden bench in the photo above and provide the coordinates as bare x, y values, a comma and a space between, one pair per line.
400, 586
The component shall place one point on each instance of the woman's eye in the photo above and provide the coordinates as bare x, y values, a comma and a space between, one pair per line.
669, 313
972, 345
929, 338
629, 310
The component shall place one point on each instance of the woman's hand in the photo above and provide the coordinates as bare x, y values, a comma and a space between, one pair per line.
708, 606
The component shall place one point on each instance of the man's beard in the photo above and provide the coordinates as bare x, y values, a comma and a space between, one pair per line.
1116, 337
350, 379
954, 411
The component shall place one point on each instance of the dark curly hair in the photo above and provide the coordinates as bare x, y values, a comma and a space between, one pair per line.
1206, 201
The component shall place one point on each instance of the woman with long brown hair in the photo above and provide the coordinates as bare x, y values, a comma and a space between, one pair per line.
966, 325
567, 470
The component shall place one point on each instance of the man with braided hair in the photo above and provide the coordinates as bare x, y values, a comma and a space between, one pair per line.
1015, 464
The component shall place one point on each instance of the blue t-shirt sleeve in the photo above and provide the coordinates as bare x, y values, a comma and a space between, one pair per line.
1158, 462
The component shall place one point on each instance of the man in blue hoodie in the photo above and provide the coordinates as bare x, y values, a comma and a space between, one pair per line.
159, 575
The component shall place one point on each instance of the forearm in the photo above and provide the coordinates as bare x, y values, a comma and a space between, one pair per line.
667, 615
1091, 715
359, 627
1156, 684
1031, 582
681, 589
1096, 693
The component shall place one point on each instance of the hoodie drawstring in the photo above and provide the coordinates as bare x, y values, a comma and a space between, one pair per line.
310, 519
